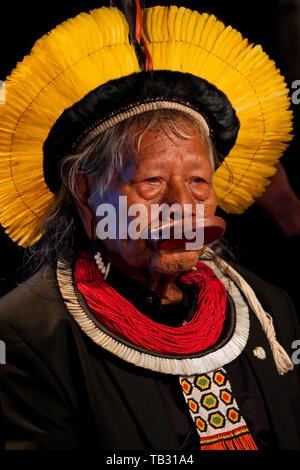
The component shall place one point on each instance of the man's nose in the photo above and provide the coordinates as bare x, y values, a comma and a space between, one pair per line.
178, 193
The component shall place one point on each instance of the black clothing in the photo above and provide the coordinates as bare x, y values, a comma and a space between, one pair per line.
251, 403
59, 390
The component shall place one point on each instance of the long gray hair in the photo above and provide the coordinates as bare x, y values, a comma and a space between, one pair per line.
63, 233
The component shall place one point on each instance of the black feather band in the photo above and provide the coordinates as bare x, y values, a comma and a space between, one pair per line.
115, 96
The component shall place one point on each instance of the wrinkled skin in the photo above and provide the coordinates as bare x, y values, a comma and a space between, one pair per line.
166, 169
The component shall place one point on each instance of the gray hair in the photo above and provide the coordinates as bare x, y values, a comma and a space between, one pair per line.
63, 233
109, 151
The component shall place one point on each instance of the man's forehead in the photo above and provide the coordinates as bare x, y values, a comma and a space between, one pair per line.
156, 146
172, 133
176, 127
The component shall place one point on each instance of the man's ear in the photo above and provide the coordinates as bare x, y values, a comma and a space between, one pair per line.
84, 185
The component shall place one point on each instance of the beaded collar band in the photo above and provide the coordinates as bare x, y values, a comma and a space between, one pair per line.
237, 288
164, 363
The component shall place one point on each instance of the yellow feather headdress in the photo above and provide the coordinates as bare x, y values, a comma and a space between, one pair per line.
92, 49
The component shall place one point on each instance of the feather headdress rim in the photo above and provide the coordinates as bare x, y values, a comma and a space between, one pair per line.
127, 95
90, 50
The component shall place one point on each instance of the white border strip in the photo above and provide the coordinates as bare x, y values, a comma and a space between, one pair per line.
140, 109
188, 366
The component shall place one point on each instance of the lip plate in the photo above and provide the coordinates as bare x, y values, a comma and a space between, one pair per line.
214, 228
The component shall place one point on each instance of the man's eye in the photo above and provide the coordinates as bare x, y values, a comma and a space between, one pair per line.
152, 180
197, 179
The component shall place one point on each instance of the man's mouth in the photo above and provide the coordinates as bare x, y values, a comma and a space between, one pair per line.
212, 229
172, 244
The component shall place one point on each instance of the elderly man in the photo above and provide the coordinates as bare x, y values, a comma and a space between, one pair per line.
130, 337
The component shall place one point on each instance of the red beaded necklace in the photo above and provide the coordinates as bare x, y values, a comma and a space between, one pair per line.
120, 316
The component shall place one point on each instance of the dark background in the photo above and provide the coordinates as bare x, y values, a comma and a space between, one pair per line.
254, 238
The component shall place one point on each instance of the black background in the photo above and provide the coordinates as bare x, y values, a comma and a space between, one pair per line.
255, 240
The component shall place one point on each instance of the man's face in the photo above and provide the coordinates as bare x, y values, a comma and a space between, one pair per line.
166, 169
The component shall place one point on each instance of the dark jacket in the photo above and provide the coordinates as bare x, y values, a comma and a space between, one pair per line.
59, 390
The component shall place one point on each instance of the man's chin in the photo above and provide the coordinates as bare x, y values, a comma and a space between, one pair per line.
174, 261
